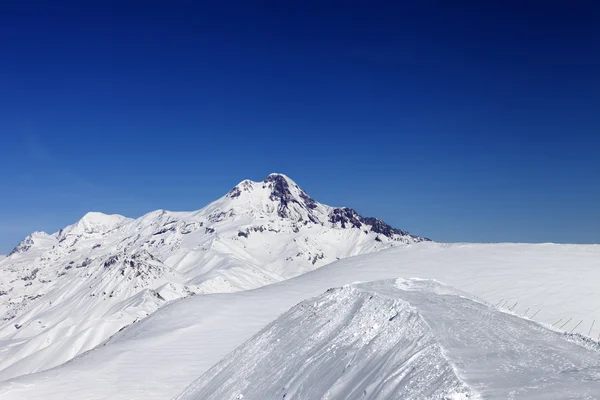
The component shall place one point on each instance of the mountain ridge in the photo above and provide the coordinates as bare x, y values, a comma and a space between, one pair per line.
402, 339
88, 272
93, 220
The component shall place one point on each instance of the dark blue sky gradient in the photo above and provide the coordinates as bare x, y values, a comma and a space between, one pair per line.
477, 121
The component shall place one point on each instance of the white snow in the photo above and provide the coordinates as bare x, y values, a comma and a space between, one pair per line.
413, 339
158, 357
93, 222
65, 293
345, 344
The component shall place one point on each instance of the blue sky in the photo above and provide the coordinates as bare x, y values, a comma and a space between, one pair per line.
477, 122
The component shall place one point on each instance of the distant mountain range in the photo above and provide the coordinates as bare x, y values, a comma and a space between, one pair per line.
65, 293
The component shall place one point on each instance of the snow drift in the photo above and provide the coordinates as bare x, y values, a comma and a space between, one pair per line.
414, 339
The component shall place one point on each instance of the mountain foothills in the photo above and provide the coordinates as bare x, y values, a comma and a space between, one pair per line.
65, 293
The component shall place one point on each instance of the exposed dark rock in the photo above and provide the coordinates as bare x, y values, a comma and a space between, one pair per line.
345, 217
190, 227
378, 226
243, 234
317, 257
308, 201
164, 230
31, 275
111, 261
143, 254
218, 216
23, 246
85, 263
281, 193
235, 192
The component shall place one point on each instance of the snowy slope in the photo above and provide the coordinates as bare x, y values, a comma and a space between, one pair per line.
402, 339
158, 357
345, 344
65, 293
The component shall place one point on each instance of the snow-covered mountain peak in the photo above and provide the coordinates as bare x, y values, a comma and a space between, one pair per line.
35, 238
277, 185
99, 268
286, 191
277, 196
280, 175
280, 197
279, 200
93, 223
38, 234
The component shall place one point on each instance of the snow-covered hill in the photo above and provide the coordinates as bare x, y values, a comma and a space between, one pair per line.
158, 357
405, 339
65, 293
345, 344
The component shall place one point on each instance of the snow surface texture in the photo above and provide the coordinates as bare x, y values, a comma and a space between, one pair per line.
415, 339
345, 344
65, 293
158, 357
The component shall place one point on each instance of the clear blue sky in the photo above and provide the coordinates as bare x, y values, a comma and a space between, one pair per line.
472, 122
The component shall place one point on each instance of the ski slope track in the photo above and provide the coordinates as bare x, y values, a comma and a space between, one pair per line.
404, 339
65, 293
161, 355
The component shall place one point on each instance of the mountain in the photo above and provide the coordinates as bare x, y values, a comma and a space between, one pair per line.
401, 339
65, 293
159, 356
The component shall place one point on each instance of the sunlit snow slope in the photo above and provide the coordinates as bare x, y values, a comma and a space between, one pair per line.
406, 339
65, 293
158, 357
